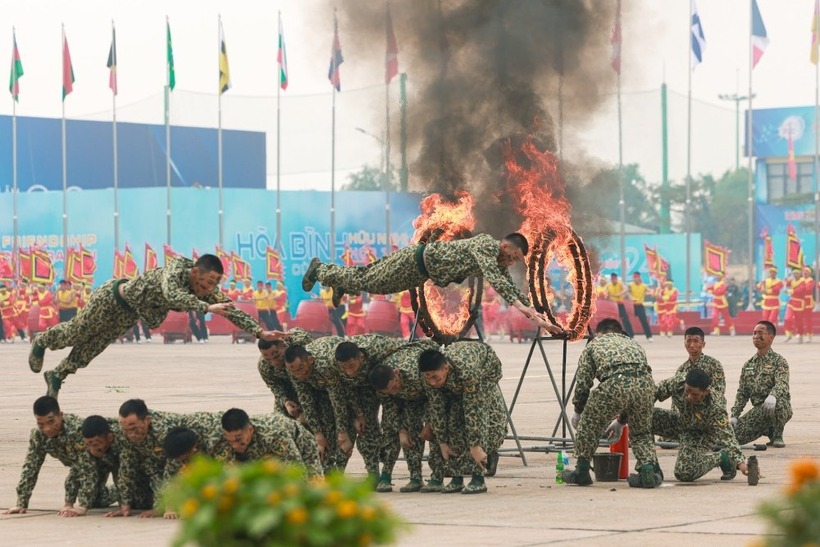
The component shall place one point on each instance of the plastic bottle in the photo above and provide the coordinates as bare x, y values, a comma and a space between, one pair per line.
559, 468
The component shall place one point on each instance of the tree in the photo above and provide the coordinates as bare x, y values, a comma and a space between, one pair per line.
603, 194
370, 179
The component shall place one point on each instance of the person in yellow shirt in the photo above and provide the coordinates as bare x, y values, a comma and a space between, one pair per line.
335, 314
261, 299
637, 293
276, 324
600, 289
67, 301
616, 292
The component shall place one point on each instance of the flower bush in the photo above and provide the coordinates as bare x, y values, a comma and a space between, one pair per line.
272, 503
795, 518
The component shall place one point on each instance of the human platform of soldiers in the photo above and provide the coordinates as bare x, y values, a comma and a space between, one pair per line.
383, 395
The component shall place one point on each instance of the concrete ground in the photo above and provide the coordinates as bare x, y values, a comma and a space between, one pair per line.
524, 506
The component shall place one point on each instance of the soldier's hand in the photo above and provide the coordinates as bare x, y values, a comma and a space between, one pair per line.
147, 514
479, 456
614, 431
769, 404
269, 335
554, 330
358, 424
344, 442
404, 439
743, 468
733, 422
14, 511
293, 409
446, 451
427, 433
170, 515
222, 308
323, 444
123, 511
69, 510
575, 420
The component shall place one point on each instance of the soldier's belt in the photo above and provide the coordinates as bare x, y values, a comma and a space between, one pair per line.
420, 260
625, 374
115, 289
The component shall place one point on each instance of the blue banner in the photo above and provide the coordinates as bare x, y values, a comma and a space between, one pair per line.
771, 128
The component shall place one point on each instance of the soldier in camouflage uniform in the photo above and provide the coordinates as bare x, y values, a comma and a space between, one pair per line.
764, 380
405, 417
325, 401
703, 423
59, 436
118, 304
355, 357
271, 367
694, 340
467, 410
442, 262
624, 385
270, 436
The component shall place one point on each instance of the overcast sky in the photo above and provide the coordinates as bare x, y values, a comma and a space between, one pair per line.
656, 45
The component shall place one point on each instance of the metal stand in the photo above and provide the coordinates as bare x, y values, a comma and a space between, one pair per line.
562, 442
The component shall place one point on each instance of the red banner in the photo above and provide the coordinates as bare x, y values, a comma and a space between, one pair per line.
273, 265
715, 258
151, 262
794, 250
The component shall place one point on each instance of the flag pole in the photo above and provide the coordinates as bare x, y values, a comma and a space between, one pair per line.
688, 203
333, 150
621, 201
387, 177
168, 68
65, 172
219, 138
14, 247
278, 242
750, 182
114, 137
816, 276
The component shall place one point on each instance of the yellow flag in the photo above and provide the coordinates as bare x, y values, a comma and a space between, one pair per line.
815, 32
224, 70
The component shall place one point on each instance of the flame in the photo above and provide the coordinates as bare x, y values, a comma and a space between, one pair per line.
443, 219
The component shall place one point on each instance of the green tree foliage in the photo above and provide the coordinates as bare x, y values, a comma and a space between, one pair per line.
369, 178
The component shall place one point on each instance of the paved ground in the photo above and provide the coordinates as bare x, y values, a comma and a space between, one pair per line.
523, 507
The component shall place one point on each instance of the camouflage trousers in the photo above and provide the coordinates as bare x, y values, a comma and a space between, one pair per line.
370, 443
696, 456
757, 423
414, 416
393, 273
634, 395
99, 323
90, 491
308, 449
334, 458
493, 420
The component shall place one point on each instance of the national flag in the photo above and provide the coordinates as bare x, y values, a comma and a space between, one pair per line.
224, 69
698, 39
6, 269
347, 256
169, 254
169, 56
336, 58
794, 249
273, 265
792, 162
241, 269
225, 259
151, 262
16, 69
68, 69
760, 40
112, 61
282, 57
391, 57
715, 258
615, 40
768, 249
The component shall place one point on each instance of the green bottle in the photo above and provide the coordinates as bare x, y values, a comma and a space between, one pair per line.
559, 468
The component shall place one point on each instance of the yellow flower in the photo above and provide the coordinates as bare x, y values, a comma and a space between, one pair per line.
291, 490
368, 512
225, 504
208, 492
189, 508
274, 498
365, 540
317, 481
271, 466
347, 509
333, 497
231, 485
299, 515
803, 471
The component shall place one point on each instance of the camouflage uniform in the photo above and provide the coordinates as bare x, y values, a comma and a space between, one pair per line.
326, 401
701, 426
67, 447
407, 409
275, 436
149, 297
468, 410
673, 387
759, 378
443, 262
624, 384
275, 375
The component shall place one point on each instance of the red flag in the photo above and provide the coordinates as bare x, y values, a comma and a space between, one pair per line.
370, 255
792, 162
391, 58
151, 262
347, 257
6, 269
273, 265
615, 40
716, 258
73, 270
768, 249
130, 270
41, 270
241, 269
68, 69
169, 253
24, 263
794, 250
225, 258
194, 255
336, 58
89, 262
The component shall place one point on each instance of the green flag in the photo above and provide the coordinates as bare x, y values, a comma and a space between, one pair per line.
172, 81
16, 71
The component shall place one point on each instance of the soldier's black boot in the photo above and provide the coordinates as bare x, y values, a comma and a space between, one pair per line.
580, 475
36, 356
727, 466
385, 483
456, 484
476, 486
309, 279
